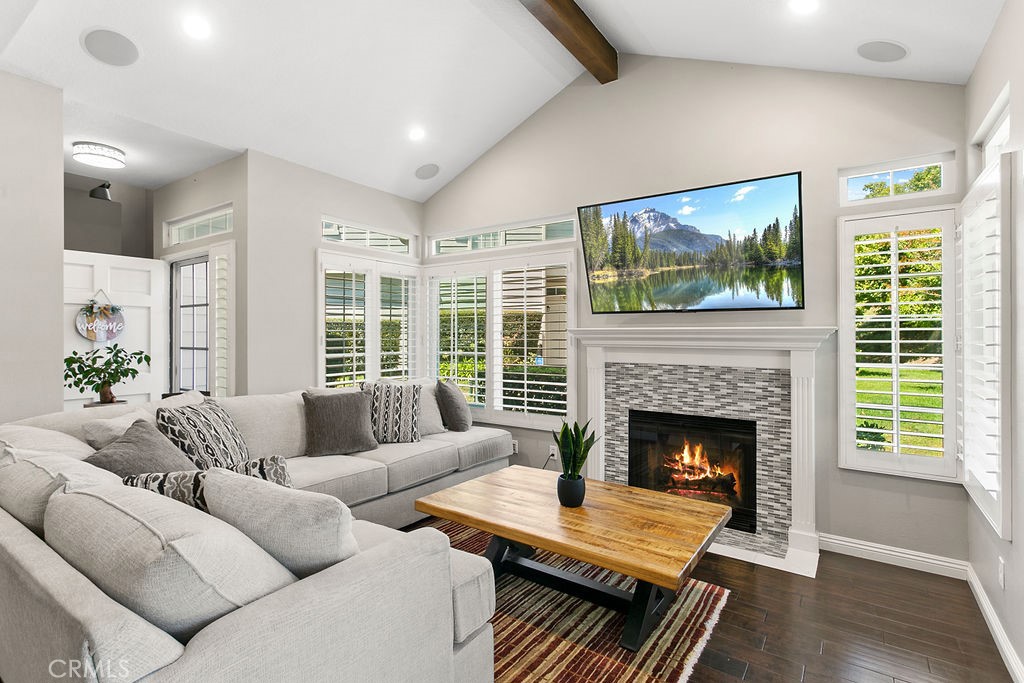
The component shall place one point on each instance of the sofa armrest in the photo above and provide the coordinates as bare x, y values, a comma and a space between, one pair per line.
383, 615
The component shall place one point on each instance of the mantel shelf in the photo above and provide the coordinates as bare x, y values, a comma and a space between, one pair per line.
752, 338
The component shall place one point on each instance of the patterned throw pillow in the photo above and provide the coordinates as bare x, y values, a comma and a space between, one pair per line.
205, 433
189, 487
394, 411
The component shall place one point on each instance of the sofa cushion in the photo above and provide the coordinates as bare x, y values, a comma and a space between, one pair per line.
173, 565
337, 423
394, 411
73, 422
454, 407
472, 579
350, 479
414, 463
205, 433
41, 439
305, 531
99, 433
478, 445
29, 478
285, 434
189, 487
140, 449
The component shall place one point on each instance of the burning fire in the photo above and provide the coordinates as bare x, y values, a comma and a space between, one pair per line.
691, 470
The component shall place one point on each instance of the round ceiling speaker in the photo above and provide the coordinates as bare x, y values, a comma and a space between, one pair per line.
110, 47
883, 51
427, 171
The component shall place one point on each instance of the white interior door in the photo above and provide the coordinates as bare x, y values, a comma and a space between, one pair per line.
140, 287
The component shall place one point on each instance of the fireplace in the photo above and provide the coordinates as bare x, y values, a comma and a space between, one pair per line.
705, 458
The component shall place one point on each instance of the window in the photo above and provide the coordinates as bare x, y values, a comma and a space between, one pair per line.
363, 237
461, 333
987, 304
191, 326
345, 328
198, 227
397, 346
504, 237
896, 357
532, 310
897, 180
994, 143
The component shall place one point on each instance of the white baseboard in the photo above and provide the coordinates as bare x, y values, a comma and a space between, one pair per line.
901, 557
1006, 649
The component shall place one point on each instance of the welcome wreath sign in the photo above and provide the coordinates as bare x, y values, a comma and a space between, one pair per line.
100, 322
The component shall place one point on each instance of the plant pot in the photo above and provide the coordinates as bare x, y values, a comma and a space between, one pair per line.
571, 491
107, 394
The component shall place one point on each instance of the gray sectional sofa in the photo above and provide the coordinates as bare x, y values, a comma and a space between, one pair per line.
405, 607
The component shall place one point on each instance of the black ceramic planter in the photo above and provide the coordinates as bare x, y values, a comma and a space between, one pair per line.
571, 491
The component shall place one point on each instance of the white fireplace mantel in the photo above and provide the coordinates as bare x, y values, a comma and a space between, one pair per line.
778, 347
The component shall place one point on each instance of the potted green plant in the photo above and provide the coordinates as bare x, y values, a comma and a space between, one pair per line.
100, 369
574, 444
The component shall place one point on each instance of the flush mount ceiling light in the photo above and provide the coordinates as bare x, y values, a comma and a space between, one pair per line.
416, 133
196, 27
427, 171
804, 7
883, 51
97, 154
110, 47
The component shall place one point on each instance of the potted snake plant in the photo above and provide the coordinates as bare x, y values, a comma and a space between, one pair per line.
574, 444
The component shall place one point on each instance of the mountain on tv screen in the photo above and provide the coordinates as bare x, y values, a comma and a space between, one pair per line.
737, 246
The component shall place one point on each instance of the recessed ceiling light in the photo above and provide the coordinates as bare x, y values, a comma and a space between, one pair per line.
804, 6
883, 51
110, 47
427, 171
97, 154
416, 133
196, 27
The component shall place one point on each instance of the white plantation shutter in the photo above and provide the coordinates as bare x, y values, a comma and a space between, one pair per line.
397, 321
897, 359
221, 319
460, 333
986, 249
531, 325
345, 328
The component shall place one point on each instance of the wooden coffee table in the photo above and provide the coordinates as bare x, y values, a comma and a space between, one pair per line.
657, 538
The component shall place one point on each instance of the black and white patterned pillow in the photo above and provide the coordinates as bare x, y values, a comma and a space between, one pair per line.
205, 433
394, 411
189, 487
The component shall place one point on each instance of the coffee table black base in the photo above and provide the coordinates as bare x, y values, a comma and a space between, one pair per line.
644, 607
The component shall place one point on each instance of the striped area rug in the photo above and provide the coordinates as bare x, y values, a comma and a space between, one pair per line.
543, 635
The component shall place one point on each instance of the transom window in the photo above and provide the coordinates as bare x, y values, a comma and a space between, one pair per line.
215, 222
504, 237
335, 231
897, 180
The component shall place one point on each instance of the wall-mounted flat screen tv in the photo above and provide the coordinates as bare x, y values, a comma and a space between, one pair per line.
728, 247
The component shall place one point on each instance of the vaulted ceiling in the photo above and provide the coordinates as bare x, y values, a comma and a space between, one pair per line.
338, 86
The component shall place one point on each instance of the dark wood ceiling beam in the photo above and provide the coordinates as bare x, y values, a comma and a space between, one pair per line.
573, 29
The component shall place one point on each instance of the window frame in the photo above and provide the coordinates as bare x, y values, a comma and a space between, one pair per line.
946, 467
171, 225
371, 253
499, 251
176, 307
949, 179
553, 253
373, 269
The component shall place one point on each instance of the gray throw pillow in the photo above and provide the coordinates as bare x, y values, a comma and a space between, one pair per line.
338, 423
454, 407
140, 449
394, 411
205, 433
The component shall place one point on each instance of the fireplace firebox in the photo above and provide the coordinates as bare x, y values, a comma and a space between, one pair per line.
706, 458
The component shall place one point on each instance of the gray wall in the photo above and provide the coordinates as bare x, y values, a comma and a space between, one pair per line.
226, 182
1000, 64
669, 124
32, 244
122, 226
286, 202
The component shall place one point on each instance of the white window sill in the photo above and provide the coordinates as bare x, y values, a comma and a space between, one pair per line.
504, 418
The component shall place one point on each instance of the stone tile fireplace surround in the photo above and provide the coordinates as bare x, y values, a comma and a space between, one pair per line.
761, 374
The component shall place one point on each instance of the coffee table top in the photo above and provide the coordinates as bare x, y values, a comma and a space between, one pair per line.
652, 536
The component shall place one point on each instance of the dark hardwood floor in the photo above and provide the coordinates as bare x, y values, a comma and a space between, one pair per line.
857, 621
